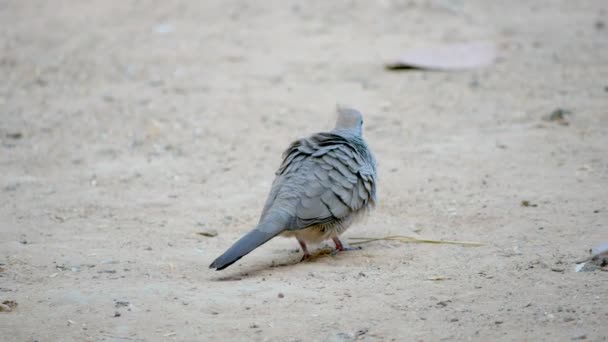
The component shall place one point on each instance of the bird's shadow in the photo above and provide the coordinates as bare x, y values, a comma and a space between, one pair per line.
256, 271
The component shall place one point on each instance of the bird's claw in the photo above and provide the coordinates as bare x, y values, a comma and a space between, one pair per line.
346, 249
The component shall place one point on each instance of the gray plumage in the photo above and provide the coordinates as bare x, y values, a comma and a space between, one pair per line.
325, 182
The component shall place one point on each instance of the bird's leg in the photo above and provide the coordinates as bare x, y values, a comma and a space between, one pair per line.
341, 246
304, 249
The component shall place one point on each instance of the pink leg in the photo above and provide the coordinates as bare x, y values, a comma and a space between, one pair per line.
339, 245
304, 250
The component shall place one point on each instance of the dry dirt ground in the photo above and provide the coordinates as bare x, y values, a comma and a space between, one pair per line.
127, 127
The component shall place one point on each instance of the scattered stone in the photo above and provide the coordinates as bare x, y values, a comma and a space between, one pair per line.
281, 295
579, 337
120, 303
558, 270
558, 116
61, 267
107, 271
443, 303
116, 314
11, 187
361, 332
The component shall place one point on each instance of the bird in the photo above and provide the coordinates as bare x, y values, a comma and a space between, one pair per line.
324, 184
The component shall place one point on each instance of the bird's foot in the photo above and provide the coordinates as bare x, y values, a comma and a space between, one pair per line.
341, 246
306, 255
346, 249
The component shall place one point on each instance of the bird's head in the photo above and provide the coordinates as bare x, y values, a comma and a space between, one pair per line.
349, 120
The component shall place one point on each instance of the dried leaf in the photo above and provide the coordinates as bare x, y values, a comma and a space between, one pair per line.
208, 233
460, 56
8, 306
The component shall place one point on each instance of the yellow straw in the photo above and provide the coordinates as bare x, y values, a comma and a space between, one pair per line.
410, 239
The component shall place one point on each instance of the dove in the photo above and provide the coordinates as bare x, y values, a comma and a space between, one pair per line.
323, 185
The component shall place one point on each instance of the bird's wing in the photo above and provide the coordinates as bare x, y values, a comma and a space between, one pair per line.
330, 178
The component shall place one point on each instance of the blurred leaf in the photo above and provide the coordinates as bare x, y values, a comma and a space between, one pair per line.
461, 56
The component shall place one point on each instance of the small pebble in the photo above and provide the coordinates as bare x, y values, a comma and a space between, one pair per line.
558, 116
281, 295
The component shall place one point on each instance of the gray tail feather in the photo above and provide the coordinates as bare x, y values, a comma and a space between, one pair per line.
252, 240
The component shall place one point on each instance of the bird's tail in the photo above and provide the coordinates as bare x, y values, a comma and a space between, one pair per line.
265, 230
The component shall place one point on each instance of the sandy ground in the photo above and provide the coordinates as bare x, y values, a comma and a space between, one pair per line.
127, 127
